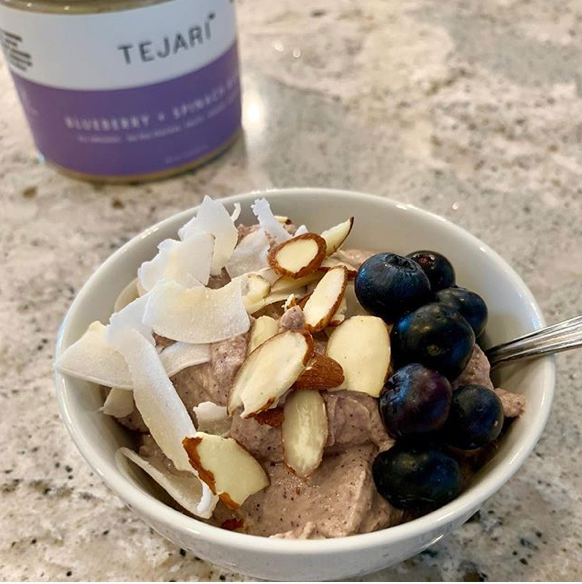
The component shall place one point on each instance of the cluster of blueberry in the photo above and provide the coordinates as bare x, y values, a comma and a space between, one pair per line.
435, 325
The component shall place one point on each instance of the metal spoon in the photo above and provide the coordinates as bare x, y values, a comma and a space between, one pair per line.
555, 338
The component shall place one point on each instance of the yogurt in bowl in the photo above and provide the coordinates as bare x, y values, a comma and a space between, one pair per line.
477, 267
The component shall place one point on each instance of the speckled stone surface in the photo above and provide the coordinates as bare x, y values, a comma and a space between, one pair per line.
467, 108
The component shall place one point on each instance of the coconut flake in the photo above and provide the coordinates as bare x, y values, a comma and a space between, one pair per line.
197, 315
213, 218
211, 418
162, 410
185, 489
236, 212
178, 356
132, 317
92, 358
301, 230
268, 221
127, 296
250, 255
187, 262
119, 403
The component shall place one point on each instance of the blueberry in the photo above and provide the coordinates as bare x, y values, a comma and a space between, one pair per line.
471, 306
435, 336
438, 269
410, 476
415, 400
388, 285
476, 417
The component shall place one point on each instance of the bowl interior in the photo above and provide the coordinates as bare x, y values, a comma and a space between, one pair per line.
380, 224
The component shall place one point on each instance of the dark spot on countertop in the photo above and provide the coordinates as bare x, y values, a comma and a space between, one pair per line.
117, 204
69, 573
182, 552
29, 192
523, 561
318, 13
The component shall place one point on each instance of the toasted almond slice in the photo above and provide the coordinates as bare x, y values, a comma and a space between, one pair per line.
127, 296
299, 256
268, 372
197, 315
304, 431
119, 403
335, 236
340, 314
331, 262
273, 417
263, 329
361, 345
226, 467
322, 372
354, 308
258, 289
211, 418
325, 299
185, 488
290, 285
290, 302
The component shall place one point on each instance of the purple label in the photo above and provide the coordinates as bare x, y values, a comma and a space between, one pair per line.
136, 131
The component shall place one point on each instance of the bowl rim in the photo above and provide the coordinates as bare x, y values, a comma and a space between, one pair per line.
151, 507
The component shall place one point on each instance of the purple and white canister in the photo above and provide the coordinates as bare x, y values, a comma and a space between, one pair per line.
125, 93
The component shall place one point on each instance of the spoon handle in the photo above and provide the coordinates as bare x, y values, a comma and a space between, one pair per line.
562, 336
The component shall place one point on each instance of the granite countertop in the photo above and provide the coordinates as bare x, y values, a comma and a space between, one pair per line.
466, 108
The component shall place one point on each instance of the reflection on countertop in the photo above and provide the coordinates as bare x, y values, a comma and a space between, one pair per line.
464, 108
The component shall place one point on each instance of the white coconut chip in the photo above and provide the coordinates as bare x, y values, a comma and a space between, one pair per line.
211, 418
301, 230
250, 255
187, 262
197, 315
127, 296
179, 356
159, 404
119, 403
93, 359
213, 218
268, 221
132, 317
187, 490
235, 212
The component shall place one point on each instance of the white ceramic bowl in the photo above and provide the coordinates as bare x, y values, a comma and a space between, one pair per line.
380, 224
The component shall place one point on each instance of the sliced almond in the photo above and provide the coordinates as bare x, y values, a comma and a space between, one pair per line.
361, 345
325, 299
290, 285
322, 372
283, 220
331, 262
304, 431
268, 372
290, 302
263, 329
226, 467
273, 417
340, 314
335, 236
258, 289
299, 256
